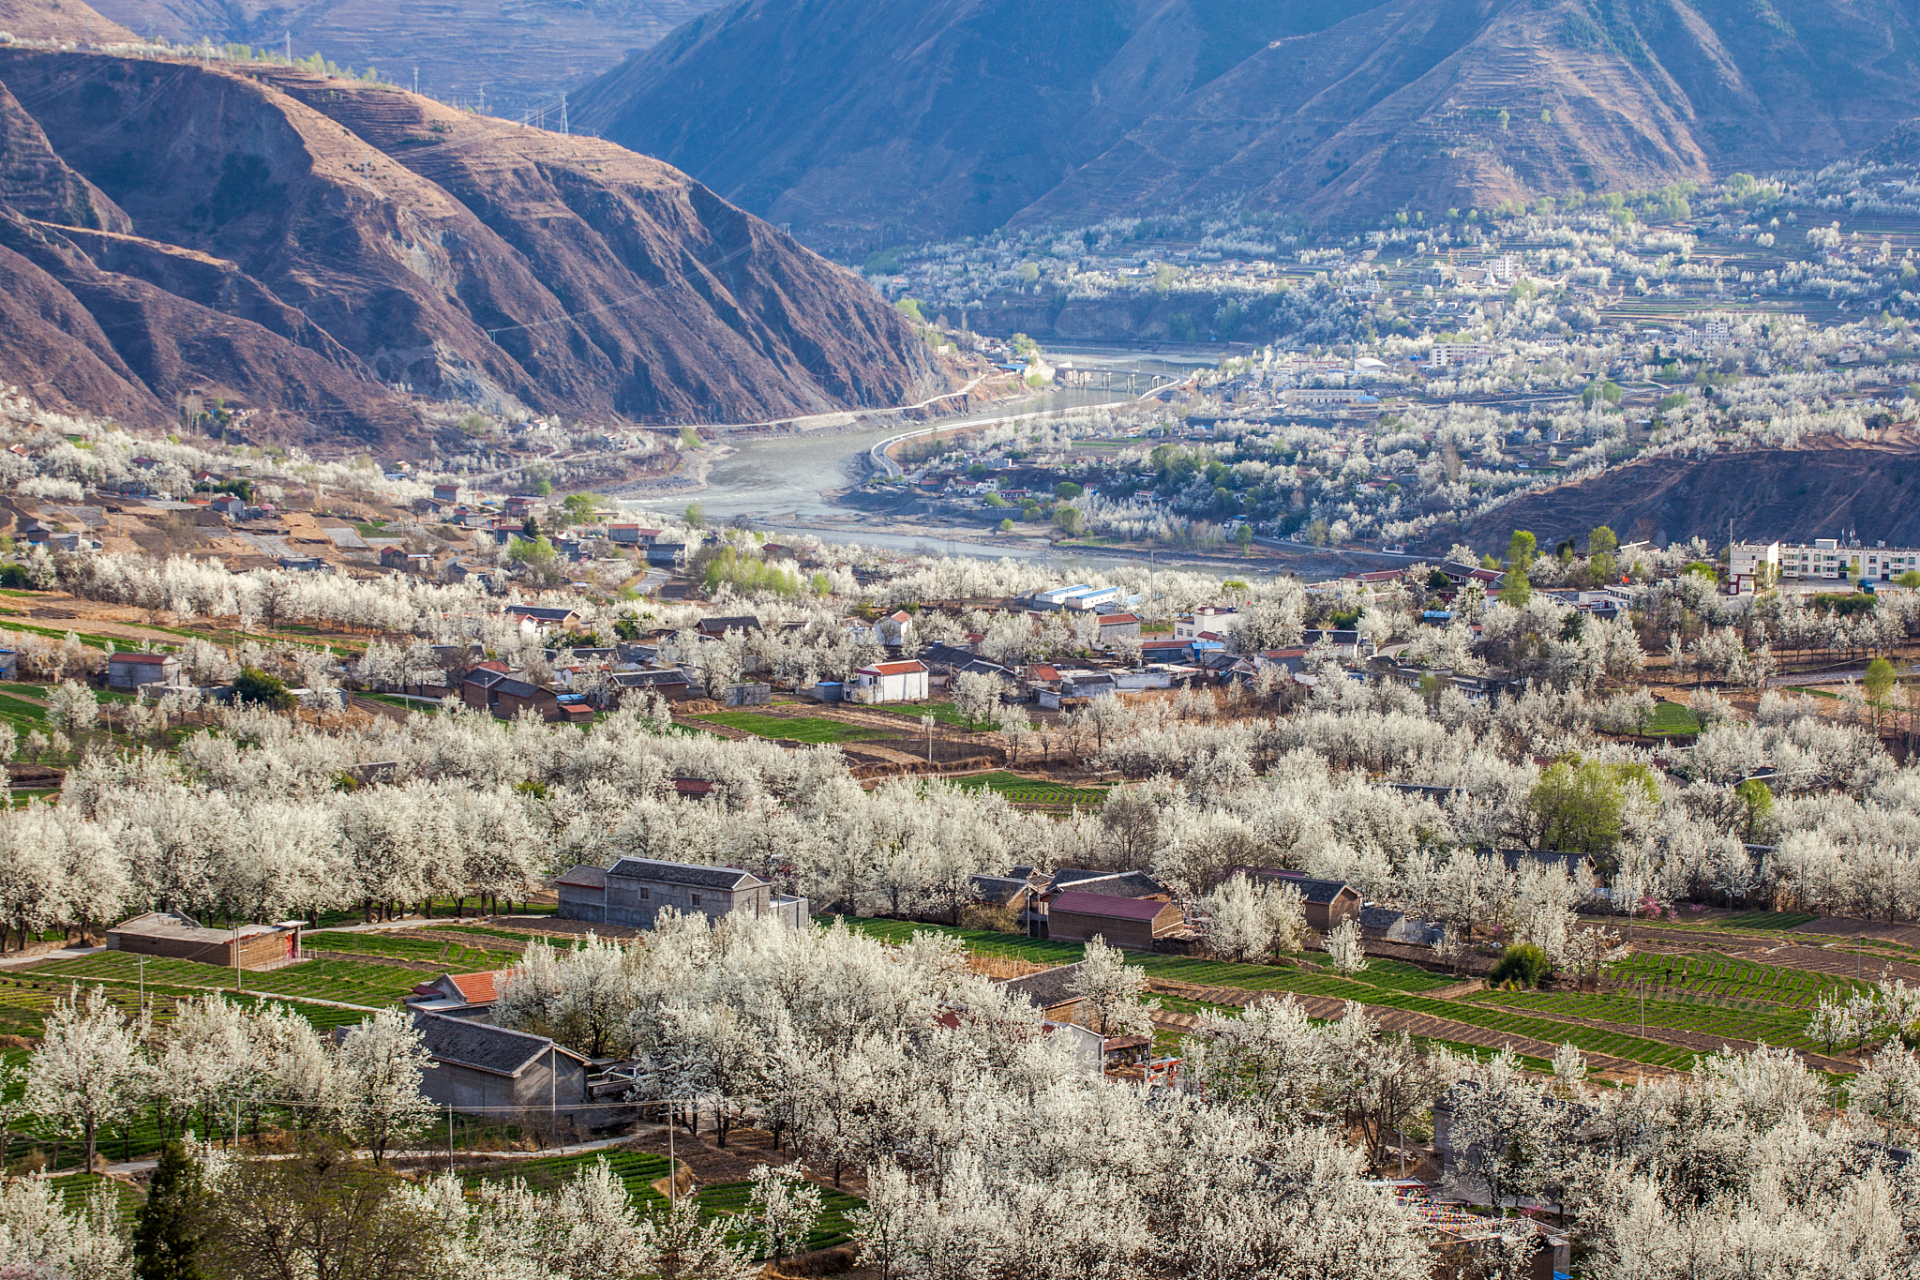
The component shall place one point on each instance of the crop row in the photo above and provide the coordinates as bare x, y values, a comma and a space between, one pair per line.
1772, 1028
1721, 977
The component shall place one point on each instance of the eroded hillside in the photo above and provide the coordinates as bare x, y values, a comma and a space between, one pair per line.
321, 251
963, 115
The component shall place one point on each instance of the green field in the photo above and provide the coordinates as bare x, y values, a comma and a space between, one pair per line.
1384, 984
1733, 984
1019, 790
1778, 1028
944, 712
1670, 718
348, 981
792, 728
454, 953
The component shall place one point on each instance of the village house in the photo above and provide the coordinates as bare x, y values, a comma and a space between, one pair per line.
634, 890
889, 682
539, 618
1123, 922
491, 1071
178, 936
127, 672
510, 696
459, 995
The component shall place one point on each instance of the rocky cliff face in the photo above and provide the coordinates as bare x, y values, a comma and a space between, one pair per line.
956, 116
323, 250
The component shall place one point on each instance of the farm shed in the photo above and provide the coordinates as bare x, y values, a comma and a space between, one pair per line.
1123, 922
178, 936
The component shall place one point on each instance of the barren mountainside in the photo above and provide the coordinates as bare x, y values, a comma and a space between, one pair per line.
515, 55
1825, 488
316, 248
856, 122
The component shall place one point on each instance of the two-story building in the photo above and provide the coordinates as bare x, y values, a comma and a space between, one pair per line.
634, 890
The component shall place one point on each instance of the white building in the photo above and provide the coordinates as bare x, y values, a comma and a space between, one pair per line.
1454, 353
888, 682
1824, 559
1747, 561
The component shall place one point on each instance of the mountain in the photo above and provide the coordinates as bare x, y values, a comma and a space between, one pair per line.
515, 55
1820, 490
316, 249
860, 122
60, 20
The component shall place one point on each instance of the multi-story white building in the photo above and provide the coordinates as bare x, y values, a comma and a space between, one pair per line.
1452, 353
1824, 559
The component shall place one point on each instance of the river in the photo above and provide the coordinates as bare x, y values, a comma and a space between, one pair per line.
784, 482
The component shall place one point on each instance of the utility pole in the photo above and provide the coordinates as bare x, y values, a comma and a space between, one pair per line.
926, 722
565, 131
416, 80
290, 46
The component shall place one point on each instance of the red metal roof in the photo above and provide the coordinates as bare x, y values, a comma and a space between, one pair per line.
1117, 619
893, 668
478, 988
1095, 904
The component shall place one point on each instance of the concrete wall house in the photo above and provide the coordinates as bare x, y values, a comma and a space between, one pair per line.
490, 1071
889, 682
633, 890
126, 672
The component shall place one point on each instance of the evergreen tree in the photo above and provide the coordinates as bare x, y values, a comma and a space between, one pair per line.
166, 1231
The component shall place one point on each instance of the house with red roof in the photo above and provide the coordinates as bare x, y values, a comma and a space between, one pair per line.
889, 682
459, 995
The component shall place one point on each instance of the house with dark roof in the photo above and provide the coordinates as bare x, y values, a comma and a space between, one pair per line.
673, 685
1122, 922
477, 686
1384, 924
1050, 991
1112, 884
1325, 902
491, 1071
714, 628
633, 891
459, 995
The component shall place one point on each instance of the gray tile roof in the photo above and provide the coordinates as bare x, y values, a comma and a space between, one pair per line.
1047, 989
998, 889
1123, 884
480, 1045
683, 873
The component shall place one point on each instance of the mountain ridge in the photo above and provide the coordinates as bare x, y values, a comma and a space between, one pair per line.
959, 116
320, 250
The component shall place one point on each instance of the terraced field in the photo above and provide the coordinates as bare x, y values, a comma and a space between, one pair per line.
1781, 1028
792, 728
1033, 791
1386, 984
1731, 982
454, 953
348, 981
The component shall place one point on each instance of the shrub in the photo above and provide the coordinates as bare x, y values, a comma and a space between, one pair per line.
1524, 963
